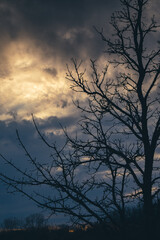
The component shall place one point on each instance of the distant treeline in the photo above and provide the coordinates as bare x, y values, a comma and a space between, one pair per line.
35, 227
33, 221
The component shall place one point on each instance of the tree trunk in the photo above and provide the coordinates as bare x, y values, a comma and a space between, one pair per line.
147, 197
148, 215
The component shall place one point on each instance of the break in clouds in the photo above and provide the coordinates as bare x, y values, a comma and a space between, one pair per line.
38, 39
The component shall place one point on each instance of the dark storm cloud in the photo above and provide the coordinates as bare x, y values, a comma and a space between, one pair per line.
51, 71
57, 123
63, 28
28, 131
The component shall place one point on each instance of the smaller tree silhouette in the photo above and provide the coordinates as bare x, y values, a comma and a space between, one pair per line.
35, 221
12, 223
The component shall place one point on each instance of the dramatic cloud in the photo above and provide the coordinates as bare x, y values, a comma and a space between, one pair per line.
38, 39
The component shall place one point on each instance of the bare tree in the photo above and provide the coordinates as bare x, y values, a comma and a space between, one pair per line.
114, 164
12, 223
35, 221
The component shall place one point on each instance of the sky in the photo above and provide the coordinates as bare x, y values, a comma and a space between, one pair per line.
38, 38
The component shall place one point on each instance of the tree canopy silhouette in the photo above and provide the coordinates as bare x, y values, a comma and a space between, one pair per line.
115, 161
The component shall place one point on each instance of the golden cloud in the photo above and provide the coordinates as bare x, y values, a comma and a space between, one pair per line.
32, 85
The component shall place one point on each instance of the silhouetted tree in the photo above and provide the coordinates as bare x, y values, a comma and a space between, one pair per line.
115, 162
35, 221
12, 223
